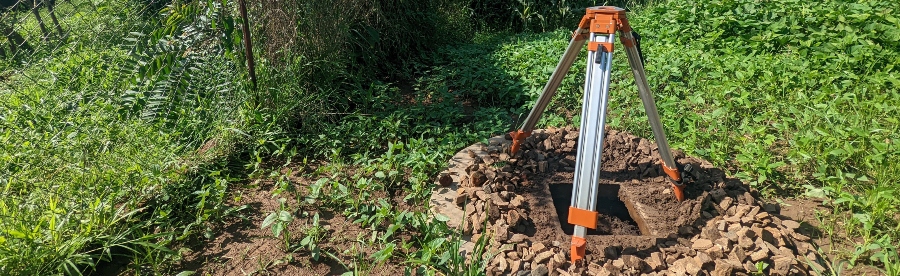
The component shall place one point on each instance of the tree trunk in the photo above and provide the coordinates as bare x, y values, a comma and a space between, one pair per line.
37, 15
50, 5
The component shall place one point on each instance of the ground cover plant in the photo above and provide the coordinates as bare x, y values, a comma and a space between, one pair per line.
125, 141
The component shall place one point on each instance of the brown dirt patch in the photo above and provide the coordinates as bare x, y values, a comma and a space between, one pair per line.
241, 247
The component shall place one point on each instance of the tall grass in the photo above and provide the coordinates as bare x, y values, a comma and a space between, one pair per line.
98, 131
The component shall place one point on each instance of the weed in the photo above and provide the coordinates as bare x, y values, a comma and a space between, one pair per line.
279, 220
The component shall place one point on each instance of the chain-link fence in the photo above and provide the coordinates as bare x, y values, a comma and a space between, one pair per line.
105, 107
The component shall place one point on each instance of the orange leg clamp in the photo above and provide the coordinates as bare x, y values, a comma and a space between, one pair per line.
582, 217
578, 245
675, 176
517, 137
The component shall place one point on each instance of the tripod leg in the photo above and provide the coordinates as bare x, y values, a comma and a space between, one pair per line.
582, 212
568, 58
640, 78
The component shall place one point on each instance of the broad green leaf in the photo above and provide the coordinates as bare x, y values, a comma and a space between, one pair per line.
285, 216
441, 217
269, 220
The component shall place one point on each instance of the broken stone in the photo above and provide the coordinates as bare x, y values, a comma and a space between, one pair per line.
540, 270
753, 212
725, 203
487, 188
702, 244
559, 259
718, 194
759, 255
543, 257
619, 264
502, 265
482, 195
515, 267
750, 266
611, 253
685, 230
497, 199
746, 243
493, 209
501, 232
517, 202
671, 259
738, 254
656, 261
513, 255
445, 180
538, 247
734, 227
517, 238
595, 269
725, 243
751, 233
732, 236
702, 259
679, 267
478, 178
461, 197
715, 252
633, 261
799, 237
691, 267
477, 224
741, 210
722, 269
514, 217
768, 234
749, 198
790, 224
491, 271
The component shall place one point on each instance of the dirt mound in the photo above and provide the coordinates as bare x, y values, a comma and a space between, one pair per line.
518, 200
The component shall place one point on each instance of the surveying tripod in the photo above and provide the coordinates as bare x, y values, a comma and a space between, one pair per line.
598, 27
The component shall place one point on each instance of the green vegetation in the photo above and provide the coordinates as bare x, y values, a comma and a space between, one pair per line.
125, 139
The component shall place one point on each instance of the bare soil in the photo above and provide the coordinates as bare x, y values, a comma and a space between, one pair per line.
242, 247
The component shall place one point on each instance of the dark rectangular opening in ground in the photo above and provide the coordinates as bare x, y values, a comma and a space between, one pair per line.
614, 217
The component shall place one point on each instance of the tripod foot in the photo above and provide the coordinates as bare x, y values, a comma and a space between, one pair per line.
679, 191
517, 138
675, 177
578, 245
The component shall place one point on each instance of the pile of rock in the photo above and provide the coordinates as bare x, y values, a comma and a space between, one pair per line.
745, 239
737, 235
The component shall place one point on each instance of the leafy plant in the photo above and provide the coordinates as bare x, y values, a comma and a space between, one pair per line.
279, 220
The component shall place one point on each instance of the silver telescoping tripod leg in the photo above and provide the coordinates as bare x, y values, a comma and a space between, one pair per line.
568, 58
659, 134
590, 140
